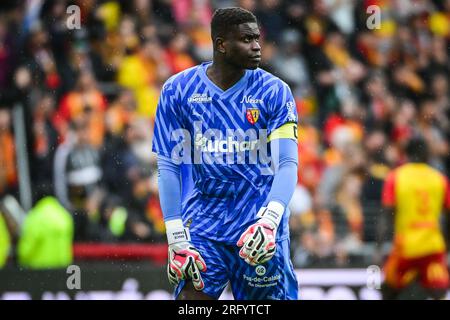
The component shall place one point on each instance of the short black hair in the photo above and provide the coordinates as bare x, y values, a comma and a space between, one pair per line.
417, 150
225, 18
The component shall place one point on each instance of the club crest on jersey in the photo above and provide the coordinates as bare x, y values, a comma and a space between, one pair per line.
252, 115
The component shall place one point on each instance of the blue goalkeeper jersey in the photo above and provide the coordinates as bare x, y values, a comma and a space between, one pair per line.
222, 138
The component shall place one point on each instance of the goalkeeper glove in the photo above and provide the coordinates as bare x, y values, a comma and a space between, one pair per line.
258, 241
185, 262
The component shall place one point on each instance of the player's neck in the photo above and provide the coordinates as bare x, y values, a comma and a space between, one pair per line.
224, 75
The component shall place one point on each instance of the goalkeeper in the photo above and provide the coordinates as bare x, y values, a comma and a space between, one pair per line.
226, 215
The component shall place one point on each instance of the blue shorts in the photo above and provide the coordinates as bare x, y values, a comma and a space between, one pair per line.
273, 280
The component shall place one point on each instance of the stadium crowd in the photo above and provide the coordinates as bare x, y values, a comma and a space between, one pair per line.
90, 96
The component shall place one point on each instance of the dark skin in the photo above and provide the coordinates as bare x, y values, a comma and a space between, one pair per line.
234, 52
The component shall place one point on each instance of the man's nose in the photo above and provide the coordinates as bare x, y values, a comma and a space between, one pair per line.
256, 46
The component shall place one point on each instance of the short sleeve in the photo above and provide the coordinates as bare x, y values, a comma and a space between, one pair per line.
388, 195
169, 130
283, 111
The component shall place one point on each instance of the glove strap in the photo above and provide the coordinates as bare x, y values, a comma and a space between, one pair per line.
176, 232
273, 212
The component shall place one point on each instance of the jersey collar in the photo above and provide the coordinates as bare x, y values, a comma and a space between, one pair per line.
212, 86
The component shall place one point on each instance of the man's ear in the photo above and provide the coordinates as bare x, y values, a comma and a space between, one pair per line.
220, 45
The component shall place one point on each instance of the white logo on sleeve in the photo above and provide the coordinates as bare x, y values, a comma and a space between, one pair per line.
291, 114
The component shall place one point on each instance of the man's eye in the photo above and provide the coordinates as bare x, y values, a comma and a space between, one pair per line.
250, 39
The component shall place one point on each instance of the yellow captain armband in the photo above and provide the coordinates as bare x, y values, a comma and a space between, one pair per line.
286, 131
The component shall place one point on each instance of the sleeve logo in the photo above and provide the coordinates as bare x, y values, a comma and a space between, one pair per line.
291, 111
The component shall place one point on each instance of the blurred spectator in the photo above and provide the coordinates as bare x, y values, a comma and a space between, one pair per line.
312, 235
312, 19
432, 134
344, 126
403, 122
127, 170
44, 144
112, 223
144, 72
117, 223
41, 60
272, 25
199, 31
405, 8
5, 241
309, 151
47, 235
380, 103
377, 170
300, 207
121, 165
337, 74
177, 53
77, 175
120, 42
187, 10
441, 96
8, 171
339, 194
342, 14
120, 114
290, 65
85, 103
7, 58
348, 217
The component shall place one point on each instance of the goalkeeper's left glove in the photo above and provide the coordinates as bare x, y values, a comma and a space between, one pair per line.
185, 261
258, 241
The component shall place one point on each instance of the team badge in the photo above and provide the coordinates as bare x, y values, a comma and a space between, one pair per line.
252, 115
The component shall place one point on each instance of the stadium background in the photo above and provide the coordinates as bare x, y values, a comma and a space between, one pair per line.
76, 117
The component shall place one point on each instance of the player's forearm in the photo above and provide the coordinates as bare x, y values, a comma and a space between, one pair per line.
169, 184
286, 163
284, 157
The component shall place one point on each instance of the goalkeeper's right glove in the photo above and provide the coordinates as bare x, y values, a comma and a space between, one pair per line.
185, 262
258, 243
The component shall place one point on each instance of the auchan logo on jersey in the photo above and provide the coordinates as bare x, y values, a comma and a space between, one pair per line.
227, 145
215, 146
